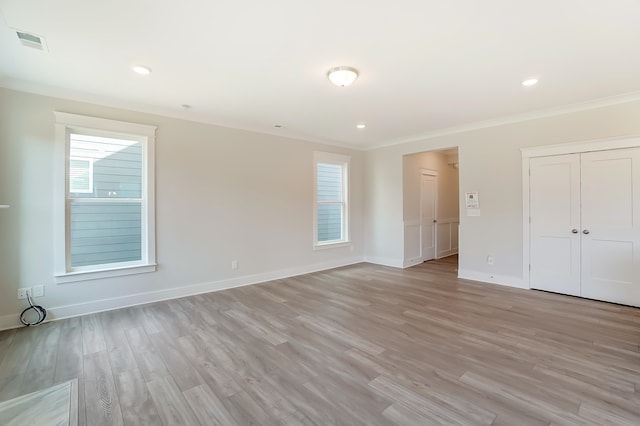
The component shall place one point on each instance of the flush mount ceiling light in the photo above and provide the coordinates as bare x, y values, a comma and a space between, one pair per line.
361, 126
139, 69
342, 76
530, 82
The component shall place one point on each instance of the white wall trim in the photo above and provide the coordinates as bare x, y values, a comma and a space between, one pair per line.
447, 253
65, 124
86, 122
344, 161
74, 277
558, 149
581, 146
485, 277
412, 257
68, 311
385, 261
517, 118
448, 226
412, 262
78, 96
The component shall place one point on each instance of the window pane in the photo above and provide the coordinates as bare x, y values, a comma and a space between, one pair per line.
80, 176
329, 182
117, 167
105, 232
329, 222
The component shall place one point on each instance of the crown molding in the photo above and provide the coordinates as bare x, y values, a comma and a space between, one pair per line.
78, 96
57, 92
517, 118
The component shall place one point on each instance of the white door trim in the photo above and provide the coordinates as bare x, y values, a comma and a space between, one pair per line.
558, 149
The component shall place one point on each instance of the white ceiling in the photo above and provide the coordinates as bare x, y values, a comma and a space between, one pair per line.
425, 65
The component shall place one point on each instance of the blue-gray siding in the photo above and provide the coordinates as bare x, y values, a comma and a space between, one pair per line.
108, 231
105, 233
329, 188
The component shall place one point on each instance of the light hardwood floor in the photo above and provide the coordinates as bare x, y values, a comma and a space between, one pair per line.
362, 344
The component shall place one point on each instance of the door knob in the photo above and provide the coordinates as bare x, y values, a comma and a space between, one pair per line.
574, 231
585, 232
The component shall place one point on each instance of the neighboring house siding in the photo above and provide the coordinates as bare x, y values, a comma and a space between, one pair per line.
105, 233
329, 189
329, 222
109, 231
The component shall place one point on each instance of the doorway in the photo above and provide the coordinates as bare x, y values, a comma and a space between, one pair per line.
430, 205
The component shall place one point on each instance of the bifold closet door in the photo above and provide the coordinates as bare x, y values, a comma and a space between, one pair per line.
611, 226
555, 223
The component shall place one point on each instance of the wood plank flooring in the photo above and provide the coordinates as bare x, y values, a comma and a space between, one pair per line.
362, 344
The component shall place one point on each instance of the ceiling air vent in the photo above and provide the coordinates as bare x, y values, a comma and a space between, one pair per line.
31, 40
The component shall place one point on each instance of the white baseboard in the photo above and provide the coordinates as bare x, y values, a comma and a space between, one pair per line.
411, 262
492, 278
384, 261
60, 312
447, 253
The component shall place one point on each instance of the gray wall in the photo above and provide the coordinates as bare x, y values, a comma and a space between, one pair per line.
490, 163
221, 195
225, 194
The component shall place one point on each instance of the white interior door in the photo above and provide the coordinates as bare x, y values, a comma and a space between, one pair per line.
555, 223
428, 197
611, 226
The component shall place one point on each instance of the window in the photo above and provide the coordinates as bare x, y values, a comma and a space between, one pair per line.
105, 219
331, 212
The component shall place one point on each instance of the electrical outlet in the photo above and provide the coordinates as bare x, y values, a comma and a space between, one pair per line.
234, 264
22, 292
489, 260
38, 291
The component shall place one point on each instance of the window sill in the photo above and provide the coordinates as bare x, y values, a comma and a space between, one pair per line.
337, 244
72, 277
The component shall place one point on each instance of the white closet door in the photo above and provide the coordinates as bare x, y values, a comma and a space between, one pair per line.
555, 223
611, 226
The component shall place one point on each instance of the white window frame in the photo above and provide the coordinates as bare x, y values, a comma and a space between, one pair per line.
66, 124
345, 162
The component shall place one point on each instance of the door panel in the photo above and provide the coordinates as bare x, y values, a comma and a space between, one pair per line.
428, 198
555, 213
611, 216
